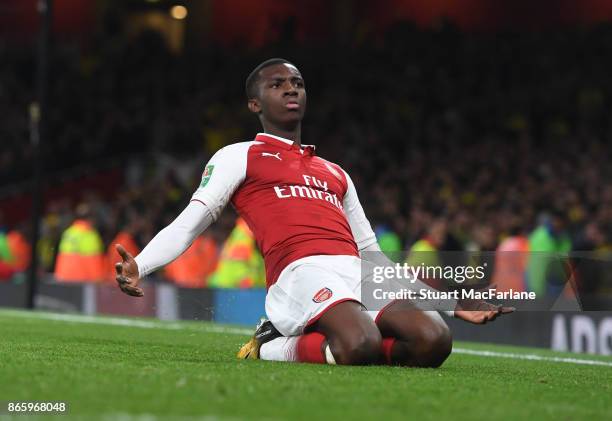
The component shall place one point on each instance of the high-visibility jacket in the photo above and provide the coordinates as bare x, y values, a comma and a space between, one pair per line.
112, 257
5, 251
240, 264
20, 250
423, 252
389, 242
511, 258
81, 254
547, 258
195, 265
7, 270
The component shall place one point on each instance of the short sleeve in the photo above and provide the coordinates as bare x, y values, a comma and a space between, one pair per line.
223, 174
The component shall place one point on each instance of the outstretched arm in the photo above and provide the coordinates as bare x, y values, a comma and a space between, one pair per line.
473, 311
166, 246
225, 171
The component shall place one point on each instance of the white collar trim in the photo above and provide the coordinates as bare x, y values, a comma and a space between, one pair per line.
287, 141
282, 139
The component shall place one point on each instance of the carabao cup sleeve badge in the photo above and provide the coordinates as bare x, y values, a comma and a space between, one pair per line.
206, 175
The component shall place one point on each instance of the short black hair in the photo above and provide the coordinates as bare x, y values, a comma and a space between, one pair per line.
251, 81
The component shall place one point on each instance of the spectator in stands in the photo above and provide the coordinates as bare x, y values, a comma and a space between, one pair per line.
591, 261
127, 237
414, 149
6, 256
511, 258
240, 263
549, 245
426, 251
195, 265
81, 251
20, 249
390, 243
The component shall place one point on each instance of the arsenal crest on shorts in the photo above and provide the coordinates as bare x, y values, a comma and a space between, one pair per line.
323, 294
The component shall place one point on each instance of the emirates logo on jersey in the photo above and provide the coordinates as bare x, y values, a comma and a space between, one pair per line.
323, 294
312, 189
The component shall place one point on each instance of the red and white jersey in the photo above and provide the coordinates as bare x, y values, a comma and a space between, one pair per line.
296, 204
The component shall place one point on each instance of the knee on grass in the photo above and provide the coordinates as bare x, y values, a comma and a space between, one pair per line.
359, 349
432, 346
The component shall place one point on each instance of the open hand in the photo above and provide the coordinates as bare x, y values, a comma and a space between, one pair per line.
479, 312
127, 273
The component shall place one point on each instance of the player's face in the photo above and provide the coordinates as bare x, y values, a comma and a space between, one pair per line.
282, 94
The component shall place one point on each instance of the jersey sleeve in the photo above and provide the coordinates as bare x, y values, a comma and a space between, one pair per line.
222, 175
173, 240
360, 226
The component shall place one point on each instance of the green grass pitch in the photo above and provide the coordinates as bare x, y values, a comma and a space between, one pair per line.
188, 370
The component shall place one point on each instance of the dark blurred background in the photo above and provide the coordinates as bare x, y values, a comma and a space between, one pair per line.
474, 125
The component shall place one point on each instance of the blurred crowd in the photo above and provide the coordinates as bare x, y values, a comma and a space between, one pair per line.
455, 141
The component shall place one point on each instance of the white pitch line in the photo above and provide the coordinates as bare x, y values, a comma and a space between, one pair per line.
151, 324
532, 357
117, 321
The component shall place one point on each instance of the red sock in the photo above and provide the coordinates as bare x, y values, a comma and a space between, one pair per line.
387, 345
310, 348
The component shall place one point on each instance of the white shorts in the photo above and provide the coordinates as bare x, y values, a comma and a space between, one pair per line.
310, 286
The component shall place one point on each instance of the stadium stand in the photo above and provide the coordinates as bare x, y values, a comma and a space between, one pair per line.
479, 132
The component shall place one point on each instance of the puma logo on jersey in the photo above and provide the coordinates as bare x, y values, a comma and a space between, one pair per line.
275, 155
